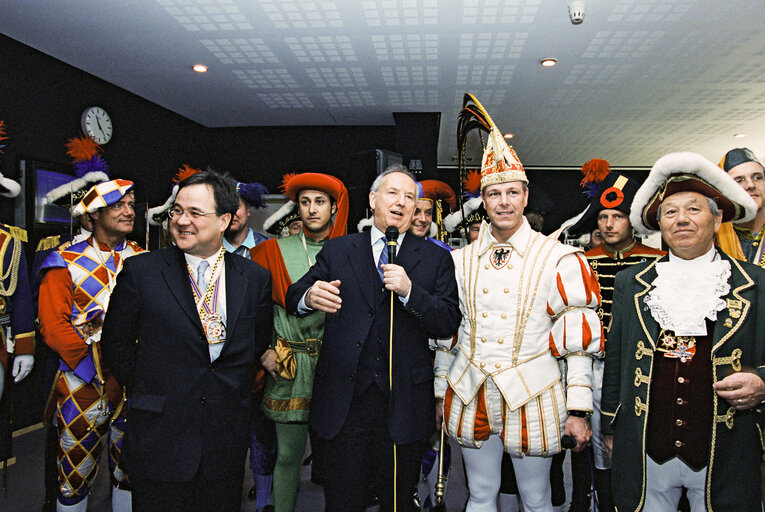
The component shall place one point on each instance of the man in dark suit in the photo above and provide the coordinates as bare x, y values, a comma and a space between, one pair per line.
356, 409
185, 326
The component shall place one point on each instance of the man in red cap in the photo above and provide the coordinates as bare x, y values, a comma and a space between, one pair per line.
293, 353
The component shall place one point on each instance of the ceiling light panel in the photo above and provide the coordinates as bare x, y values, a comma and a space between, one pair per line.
205, 15
621, 44
491, 12
277, 100
337, 77
348, 98
592, 74
409, 47
311, 49
390, 14
492, 75
410, 76
301, 15
412, 98
651, 11
488, 45
743, 73
240, 51
266, 78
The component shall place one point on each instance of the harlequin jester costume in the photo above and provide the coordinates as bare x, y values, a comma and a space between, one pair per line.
74, 297
297, 340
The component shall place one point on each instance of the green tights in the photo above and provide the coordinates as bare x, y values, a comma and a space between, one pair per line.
290, 447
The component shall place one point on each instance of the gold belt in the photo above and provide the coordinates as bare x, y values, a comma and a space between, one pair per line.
311, 346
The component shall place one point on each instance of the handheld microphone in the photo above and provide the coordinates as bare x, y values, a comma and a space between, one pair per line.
391, 235
567, 442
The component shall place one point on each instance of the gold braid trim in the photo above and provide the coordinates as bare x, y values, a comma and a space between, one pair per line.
579, 353
49, 242
726, 418
13, 271
579, 386
642, 351
17, 232
734, 360
566, 310
640, 406
640, 378
293, 404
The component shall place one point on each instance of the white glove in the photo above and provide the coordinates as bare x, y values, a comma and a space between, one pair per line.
93, 338
22, 365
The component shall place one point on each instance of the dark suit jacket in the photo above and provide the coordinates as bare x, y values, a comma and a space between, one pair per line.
183, 410
738, 343
432, 310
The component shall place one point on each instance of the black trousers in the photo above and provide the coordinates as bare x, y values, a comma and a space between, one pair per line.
362, 453
199, 495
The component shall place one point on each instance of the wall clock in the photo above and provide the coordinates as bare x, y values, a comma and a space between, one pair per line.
97, 123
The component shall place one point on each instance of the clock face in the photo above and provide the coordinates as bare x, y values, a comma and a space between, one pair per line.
97, 123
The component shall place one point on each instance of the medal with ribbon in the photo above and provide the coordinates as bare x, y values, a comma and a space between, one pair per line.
207, 305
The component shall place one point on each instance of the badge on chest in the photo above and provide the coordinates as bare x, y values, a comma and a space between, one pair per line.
500, 256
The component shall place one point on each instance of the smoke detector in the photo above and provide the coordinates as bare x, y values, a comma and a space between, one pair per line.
576, 11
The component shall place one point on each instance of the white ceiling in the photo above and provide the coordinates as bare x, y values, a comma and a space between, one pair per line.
637, 79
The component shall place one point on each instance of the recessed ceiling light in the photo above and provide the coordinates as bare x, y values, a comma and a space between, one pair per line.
739, 135
199, 68
508, 135
548, 63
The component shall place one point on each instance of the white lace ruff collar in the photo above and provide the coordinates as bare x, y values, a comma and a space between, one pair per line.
686, 292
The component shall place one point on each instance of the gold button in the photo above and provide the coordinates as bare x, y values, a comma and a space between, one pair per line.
483, 339
503, 316
679, 422
507, 290
501, 341
483, 364
497, 365
680, 401
509, 266
680, 380
485, 290
678, 444
484, 314
486, 266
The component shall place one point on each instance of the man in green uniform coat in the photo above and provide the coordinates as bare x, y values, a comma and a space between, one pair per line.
685, 360
292, 356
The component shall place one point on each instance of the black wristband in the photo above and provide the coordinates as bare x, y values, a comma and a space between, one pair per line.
578, 414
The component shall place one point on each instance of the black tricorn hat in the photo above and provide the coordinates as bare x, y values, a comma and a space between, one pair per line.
615, 192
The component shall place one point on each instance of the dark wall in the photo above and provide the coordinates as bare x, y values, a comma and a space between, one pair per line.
42, 99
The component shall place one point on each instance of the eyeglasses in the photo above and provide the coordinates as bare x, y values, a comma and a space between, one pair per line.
177, 211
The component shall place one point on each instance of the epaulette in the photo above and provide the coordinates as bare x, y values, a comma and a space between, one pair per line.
49, 242
15, 232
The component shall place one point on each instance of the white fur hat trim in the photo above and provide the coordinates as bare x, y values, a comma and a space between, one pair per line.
279, 214
687, 162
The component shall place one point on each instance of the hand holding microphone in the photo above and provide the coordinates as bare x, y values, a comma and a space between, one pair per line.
395, 277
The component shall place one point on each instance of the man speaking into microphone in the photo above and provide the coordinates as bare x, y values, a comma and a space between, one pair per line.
362, 404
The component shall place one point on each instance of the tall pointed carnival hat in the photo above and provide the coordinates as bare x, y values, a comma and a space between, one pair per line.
499, 162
